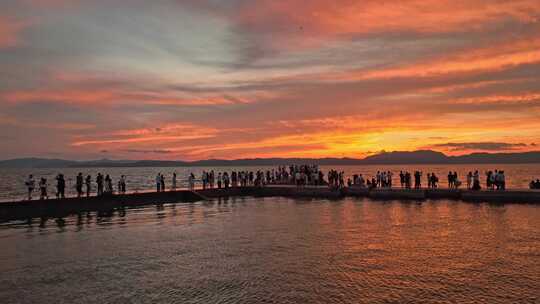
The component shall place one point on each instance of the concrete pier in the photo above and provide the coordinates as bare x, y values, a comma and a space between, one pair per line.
63, 207
387, 194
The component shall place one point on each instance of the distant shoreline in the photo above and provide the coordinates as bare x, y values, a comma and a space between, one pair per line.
422, 157
267, 165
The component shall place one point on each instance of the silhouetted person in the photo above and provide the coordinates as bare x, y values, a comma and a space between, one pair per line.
30, 185
226, 180
108, 184
476, 181
489, 179
88, 183
174, 181
417, 179
434, 180
500, 180
122, 183
60, 186
191, 181
79, 184
43, 189
99, 182
158, 182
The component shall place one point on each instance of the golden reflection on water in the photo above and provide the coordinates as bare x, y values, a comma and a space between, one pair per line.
296, 251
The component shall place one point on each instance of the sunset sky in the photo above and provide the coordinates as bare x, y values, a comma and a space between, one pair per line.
197, 79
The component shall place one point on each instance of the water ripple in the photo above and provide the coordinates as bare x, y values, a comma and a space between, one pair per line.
277, 250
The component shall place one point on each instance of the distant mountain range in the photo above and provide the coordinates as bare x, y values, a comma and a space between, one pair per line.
384, 158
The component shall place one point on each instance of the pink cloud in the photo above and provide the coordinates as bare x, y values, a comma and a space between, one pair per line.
10, 31
310, 23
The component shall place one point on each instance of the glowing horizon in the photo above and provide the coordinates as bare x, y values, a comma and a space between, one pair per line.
200, 79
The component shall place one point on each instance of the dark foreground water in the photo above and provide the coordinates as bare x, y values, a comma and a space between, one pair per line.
277, 250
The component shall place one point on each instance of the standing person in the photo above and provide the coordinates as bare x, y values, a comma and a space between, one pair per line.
501, 183
174, 181
162, 181
492, 179
191, 181
158, 182
30, 185
99, 182
476, 181
122, 184
219, 179
79, 184
488, 179
60, 186
297, 177
108, 184
203, 179
434, 180
417, 179
226, 180
43, 189
408, 180
469, 180
234, 179
88, 183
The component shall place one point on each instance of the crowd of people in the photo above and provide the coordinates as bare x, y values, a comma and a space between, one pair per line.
336, 180
299, 175
534, 184
473, 180
453, 181
294, 175
495, 180
405, 179
83, 186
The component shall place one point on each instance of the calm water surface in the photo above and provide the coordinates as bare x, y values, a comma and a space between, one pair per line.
12, 181
277, 250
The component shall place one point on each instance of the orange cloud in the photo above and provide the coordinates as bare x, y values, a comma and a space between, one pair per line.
508, 99
105, 96
495, 57
61, 96
168, 133
307, 21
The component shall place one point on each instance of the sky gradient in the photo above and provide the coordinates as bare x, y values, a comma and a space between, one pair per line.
198, 79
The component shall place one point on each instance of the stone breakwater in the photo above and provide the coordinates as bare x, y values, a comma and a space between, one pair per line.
63, 207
